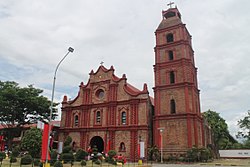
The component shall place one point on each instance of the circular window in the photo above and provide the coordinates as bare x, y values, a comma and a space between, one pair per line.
100, 93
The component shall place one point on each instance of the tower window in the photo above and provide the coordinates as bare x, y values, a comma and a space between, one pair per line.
172, 106
76, 120
123, 118
170, 55
169, 14
170, 37
172, 77
98, 117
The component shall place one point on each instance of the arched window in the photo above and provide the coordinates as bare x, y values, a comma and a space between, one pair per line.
98, 117
172, 77
122, 147
170, 55
76, 120
124, 118
172, 106
170, 37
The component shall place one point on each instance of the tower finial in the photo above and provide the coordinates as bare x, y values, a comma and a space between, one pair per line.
101, 63
170, 4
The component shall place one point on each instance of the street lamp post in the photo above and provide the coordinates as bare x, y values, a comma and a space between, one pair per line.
161, 135
70, 49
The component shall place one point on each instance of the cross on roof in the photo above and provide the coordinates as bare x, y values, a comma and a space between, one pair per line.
170, 4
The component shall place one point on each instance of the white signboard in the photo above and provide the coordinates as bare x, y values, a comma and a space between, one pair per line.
142, 153
60, 147
234, 153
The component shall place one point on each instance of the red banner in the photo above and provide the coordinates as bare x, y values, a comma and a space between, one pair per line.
108, 146
45, 142
1, 143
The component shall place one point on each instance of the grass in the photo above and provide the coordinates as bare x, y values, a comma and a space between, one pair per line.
230, 162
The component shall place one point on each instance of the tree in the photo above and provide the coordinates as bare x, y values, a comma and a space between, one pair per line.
244, 133
245, 127
32, 141
20, 106
221, 136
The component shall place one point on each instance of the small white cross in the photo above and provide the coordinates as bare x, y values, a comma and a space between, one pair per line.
170, 4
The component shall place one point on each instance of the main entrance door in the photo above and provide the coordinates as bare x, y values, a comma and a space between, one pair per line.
98, 142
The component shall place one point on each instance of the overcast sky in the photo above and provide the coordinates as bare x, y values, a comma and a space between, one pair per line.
35, 35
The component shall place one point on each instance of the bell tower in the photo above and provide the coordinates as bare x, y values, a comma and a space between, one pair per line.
178, 122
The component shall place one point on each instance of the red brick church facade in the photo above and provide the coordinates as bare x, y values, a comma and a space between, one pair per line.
109, 113
113, 115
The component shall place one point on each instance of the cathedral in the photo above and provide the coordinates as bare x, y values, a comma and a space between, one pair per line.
112, 114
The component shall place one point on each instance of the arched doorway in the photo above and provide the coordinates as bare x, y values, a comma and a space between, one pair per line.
98, 142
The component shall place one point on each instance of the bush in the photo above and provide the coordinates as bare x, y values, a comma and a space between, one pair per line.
67, 157
83, 163
67, 141
15, 151
205, 154
98, 162
2, 156
13, 159
171, 157
53, 155
112, 153
80, 155
181, 159
67, 149
58, 164
26, 160
201, 154
110, 160
193, 154
36, 162
153, 154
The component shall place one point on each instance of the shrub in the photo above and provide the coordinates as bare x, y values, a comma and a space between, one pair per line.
53, 155
171, 157
193, 154
13, 159
15, 151
26, 160
83, 163
67, 141
201, 154
2, 156
181, 159
67, 157
98, 162
153, 153
204, 154
110, 160
58, 164
80, 155
36, 162
112, 153
67, 149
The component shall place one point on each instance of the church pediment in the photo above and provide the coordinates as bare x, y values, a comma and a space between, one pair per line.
104, 86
